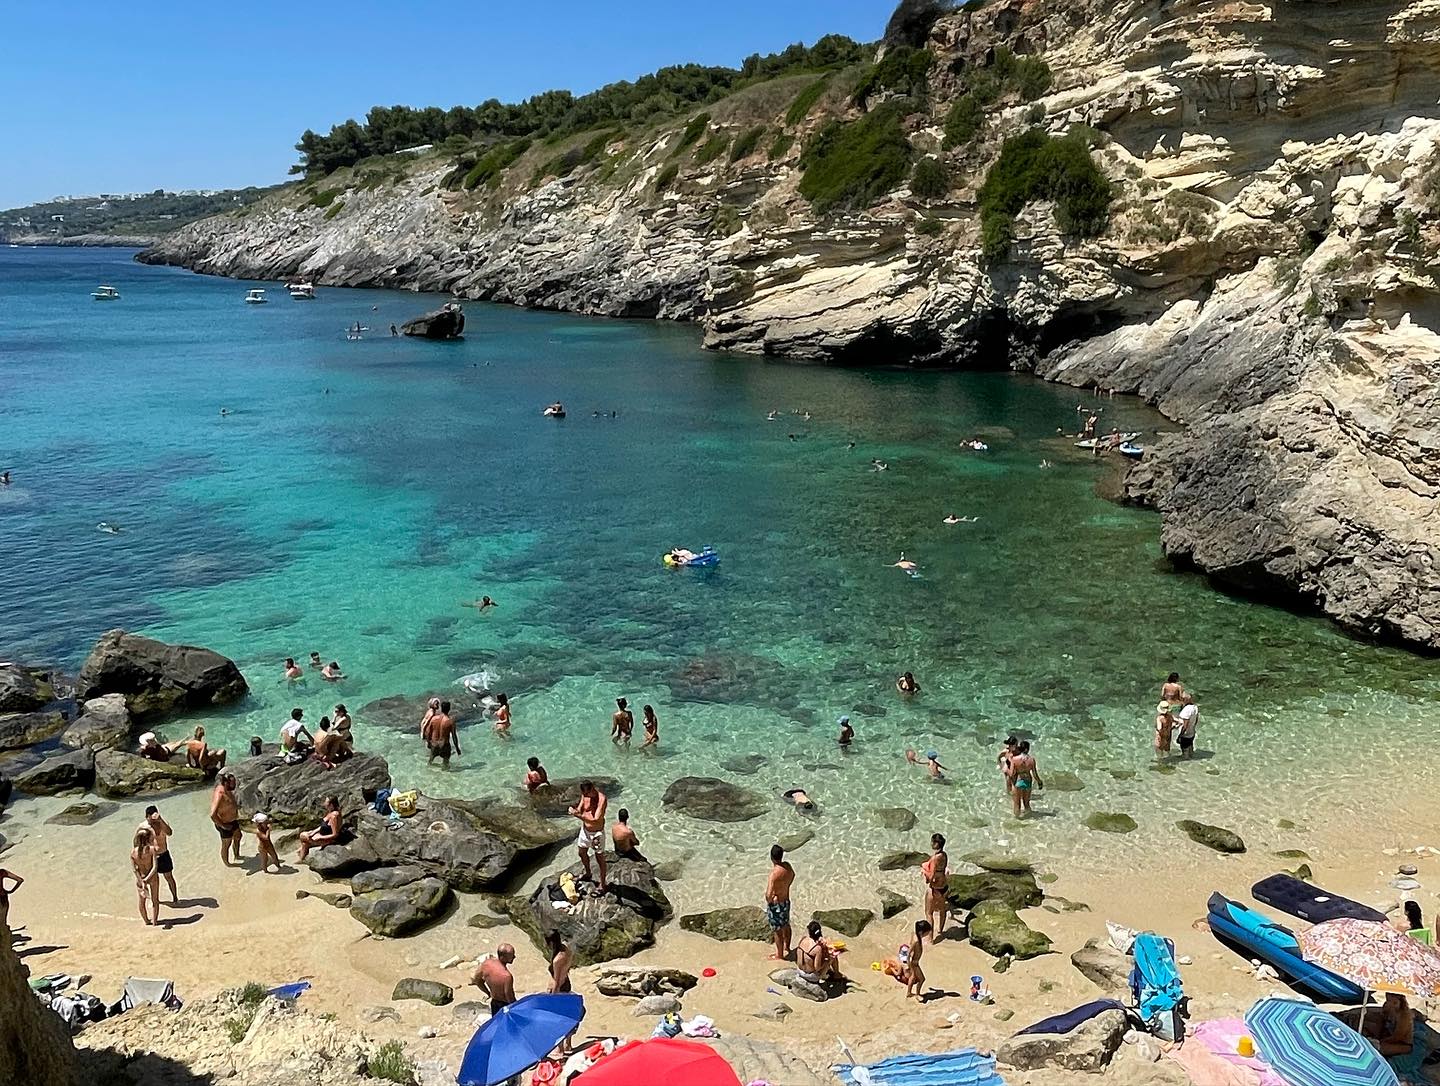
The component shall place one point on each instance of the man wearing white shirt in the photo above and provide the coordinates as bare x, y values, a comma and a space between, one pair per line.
1188, 720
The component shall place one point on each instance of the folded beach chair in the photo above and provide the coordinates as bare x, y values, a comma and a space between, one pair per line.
967, 1067
1156, 987
140, 990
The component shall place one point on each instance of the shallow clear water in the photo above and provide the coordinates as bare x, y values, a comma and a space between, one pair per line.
359, 491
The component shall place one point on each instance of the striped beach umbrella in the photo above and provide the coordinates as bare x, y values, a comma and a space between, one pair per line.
1373, 955
1307, 1047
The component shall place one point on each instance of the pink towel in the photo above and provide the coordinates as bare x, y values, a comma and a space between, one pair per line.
1207, 1069
1222, 1037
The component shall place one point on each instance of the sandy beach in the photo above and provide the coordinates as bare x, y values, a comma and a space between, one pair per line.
237, 925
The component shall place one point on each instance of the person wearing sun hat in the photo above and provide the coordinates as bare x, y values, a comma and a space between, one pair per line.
847, 733
1164, 727
151, 747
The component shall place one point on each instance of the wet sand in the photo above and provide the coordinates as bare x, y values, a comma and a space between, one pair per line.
236, 925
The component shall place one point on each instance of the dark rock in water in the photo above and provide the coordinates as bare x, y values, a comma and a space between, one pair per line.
1005, 865
639, 981
399, 910
792, 841
1216, 837
599, 929
996, 929
1089, 1047
1103, 965
103, 722
893, 904
1110, 822
898, 861
849, 922
293, 795
745, 764
403, 712
431, 991
157, 678
563, 793
894, 818
869, 708
669, 870
23, 689
120, 774
729, 925
340, 861
59, 773
1062, 780
486, 920
1018, 891
82, 814
20, 730
714, 800
729, 678
447, 322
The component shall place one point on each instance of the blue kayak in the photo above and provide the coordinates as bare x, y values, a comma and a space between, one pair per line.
1277, 946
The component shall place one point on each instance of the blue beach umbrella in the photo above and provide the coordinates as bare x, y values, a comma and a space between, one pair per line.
1307, 1047
519, 1036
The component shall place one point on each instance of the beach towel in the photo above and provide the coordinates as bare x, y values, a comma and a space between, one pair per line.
1408, 1066
1221, 1038
140, 990
1069, 1020
966, 1067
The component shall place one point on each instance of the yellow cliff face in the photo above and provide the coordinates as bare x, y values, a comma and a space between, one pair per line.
35, 1047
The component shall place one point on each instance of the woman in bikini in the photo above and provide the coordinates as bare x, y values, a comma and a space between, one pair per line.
502, 715
147, 874
561, 958
651, 724
327, 833
937, 877
1024, 779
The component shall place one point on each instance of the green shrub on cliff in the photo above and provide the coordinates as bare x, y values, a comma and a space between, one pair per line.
334, 209
746, 142
931, 179
693, 131
1035, 166
666, 177
964, 121
494, 162
903, 70
324, 197
805, 101
781, 145
1032, 77
852, 164
712, 149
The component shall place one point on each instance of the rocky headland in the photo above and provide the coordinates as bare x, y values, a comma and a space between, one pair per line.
1264, 272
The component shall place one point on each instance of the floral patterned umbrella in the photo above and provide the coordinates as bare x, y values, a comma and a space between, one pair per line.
1374, 956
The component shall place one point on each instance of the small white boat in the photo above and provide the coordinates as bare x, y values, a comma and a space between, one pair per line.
255, 297
301, 292
1109, 440
105, 294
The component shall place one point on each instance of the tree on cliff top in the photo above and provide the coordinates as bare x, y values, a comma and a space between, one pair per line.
912, 20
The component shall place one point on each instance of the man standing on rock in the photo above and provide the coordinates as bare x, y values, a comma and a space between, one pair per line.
777, 902
225, 814
163, 864
493, 977
590, 810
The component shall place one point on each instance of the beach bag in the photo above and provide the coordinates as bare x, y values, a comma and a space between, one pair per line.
1155, 984
382, 801
403, 803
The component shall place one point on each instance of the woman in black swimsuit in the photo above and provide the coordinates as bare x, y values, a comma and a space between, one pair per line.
560, 959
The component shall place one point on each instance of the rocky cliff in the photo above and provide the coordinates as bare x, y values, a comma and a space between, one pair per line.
1265, 274
35, 1047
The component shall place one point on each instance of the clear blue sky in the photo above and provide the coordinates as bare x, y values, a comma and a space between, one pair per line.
123, 97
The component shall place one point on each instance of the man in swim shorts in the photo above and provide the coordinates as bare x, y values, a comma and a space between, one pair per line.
1189, 720
225, 814
164, 865
622, 723
777, 902
494, 978
439, 733
590, 810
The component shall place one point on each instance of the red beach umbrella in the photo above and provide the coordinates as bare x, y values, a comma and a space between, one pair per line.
661, 1061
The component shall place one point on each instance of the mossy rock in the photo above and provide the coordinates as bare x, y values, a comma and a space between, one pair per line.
898, 861
1005, 865
1111, 822
728, 925
1292, 854
849, 922
486, 920
893, 904
1216, 837
899, 819
1062, 780
998, 930
1018, 891
792, 841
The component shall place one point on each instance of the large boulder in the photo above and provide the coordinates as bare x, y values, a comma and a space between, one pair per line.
472, 845
118, 773
1216, 837
399, 900
1089, 1047
1103, 965
23, 689
157, 678
640, 981
59, 773
894, 818
403, 712
447, 322
431, 991
849, 922
1019, 890
792, 979
20, 730
893, 904
103, 722
728, 925
899, 861
294, 795
343, 859
998, 930
598, 929
82, 814
563, 793
714, 800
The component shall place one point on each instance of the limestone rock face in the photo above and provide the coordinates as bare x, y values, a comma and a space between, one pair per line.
120, 774
740, 922
292, 795
156, 678
103, 722
24, 689
72, 771
35, 1047
598, 929
1266, 277
640, 981
447, 322
400, 908
20, 730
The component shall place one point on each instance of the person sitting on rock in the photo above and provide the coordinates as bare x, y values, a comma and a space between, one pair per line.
626, 841
329, 744
198, 755
150, 747
292, 731
816, 959
327, 833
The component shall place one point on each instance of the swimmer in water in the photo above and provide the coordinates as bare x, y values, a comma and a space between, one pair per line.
224, 411
481, 604
292, 669
906, 684
4, 478
905, 564
800, 799
880, 465
847, 734
952, 519
773, 416
108, 528
1045, 465
932, 763
315, 660
331, 672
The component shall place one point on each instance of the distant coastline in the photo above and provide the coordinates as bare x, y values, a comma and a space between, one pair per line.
86, 241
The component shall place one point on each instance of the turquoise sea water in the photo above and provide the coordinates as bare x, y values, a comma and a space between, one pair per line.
359, 491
